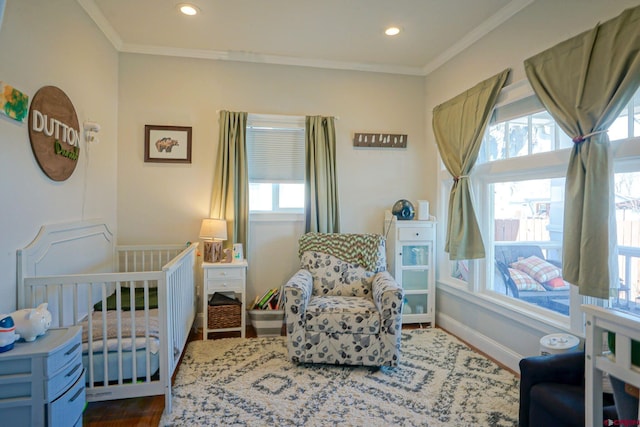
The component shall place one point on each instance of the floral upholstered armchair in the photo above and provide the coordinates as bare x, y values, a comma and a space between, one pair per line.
342, 306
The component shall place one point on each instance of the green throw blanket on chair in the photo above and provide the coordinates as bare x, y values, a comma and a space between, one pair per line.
361, 249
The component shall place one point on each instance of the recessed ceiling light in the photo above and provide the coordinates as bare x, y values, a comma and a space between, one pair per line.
392, 31
188, 9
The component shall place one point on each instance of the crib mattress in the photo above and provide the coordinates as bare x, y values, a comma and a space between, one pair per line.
143, 338
127, 365
127, 328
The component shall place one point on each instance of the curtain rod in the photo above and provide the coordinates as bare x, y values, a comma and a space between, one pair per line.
271, 114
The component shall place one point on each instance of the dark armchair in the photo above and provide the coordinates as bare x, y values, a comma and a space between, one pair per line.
552, 391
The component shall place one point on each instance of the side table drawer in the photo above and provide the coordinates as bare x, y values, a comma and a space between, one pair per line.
218, 285
225, 273
414, 233
68, 407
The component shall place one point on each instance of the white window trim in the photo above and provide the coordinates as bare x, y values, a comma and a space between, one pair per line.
277, 216
625, 154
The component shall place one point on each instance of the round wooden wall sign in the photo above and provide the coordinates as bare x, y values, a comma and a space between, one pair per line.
54, 132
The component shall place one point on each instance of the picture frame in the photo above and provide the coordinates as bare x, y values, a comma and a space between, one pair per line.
167, 144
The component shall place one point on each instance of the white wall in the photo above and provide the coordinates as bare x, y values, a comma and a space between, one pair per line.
505, 333
273, 253
54, 43
165, 203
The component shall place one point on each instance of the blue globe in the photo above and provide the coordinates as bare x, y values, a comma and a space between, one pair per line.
403, 209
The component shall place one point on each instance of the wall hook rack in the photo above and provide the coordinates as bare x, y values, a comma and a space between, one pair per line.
380, 140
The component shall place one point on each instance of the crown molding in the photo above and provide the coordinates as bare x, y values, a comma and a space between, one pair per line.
269, 59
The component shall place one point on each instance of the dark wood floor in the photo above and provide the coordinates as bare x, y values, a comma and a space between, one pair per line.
147, 411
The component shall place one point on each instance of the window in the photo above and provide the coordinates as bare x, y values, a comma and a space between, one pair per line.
275, 151
521, 129
519, 183
626, 294
527, 218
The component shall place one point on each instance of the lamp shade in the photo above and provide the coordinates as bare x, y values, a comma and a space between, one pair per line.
213, 229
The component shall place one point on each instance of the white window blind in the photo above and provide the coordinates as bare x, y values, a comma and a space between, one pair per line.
522, 107
275, 148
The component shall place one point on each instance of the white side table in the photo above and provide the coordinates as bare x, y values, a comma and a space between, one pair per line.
229, 278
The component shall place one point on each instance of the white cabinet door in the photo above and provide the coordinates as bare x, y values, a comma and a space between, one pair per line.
410, 255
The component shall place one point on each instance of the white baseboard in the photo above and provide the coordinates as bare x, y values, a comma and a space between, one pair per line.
483, 343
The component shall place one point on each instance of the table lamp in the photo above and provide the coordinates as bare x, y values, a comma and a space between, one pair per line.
213, 232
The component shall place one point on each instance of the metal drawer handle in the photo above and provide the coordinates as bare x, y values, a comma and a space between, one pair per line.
75, 368
72, 349
78, 393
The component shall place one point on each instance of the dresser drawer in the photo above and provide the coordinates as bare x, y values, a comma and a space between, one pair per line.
225, 273
68, 407
415, 233
15, 388
221, 285
64, 355
64, 378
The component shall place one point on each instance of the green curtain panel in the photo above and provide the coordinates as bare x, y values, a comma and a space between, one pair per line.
584, 83
459, 125
230, 196
320, 181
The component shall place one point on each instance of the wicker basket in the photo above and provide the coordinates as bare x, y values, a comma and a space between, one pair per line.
221, 316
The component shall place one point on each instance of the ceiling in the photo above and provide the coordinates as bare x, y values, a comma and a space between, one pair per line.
339, 34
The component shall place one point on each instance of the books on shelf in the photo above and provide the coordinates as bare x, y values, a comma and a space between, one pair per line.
270, 300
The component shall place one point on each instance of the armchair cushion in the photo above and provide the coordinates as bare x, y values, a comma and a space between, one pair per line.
337, 314
333, 276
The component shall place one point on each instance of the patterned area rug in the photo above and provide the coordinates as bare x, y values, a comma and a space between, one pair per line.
250, 382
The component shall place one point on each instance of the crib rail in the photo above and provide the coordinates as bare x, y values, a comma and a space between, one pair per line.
179, 274
71, 297
598, 360
146, 258
71, 300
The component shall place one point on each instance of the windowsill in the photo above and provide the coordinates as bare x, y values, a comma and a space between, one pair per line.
276, 216
502, 307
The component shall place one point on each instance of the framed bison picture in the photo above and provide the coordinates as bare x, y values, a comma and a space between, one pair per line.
167, 144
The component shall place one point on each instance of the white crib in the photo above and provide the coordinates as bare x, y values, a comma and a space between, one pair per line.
599, 360
127, 353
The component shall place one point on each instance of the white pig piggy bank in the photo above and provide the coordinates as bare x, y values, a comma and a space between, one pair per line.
32, 322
